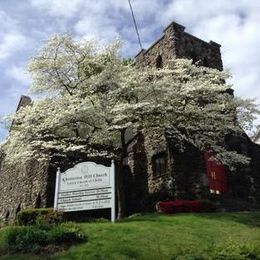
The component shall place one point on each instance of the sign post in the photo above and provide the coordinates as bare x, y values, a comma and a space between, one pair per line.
57, 184
113, 208
86, 186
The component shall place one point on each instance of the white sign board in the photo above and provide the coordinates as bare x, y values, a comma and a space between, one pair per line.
86, 186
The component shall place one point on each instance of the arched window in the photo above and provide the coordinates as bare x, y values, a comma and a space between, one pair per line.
159, 163
18, 209
159, 62
38, 201
193, 56
7, 214
205, 62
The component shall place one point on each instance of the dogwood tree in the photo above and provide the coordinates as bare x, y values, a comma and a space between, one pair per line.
88, 95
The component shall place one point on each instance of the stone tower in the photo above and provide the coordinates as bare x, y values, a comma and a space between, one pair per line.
160, 164
176, 43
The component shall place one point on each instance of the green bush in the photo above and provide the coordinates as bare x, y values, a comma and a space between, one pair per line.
235, 251
66, 233
52, 217
25, 238
39, 216
229, 251
34, 238
39, 228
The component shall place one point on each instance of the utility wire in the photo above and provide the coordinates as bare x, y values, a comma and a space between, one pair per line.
141, 46
135, 24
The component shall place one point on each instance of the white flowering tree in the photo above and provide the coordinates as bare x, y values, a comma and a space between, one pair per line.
88, 95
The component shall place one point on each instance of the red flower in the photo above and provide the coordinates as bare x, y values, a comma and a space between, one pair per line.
177, 206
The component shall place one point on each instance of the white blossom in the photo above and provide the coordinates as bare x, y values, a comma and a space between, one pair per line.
89, 96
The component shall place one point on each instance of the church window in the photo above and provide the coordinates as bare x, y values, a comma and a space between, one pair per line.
159, 63
38, 201
205, 62
7, 215
18, 209
193, 56
159, 163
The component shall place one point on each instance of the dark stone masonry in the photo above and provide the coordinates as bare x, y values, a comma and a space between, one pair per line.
176, 43
154, 170
22, 186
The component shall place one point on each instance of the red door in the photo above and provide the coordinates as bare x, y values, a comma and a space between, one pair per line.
216, 174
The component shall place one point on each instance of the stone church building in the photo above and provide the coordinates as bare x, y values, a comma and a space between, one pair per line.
154, 170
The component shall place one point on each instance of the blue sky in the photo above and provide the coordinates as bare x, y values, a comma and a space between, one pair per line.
26, 24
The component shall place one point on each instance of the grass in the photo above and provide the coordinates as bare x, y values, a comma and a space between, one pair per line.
165, 237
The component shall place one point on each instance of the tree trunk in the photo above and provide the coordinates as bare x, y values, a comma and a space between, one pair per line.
120, 180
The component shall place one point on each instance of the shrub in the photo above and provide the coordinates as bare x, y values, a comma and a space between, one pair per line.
52, 217
177, 206
229, 251
65, 233
34, 238
235, 251
40, 228
39, 216
25, 238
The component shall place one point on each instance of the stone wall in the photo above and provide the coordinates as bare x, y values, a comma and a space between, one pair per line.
184, 176
135, 175
22, 186
141, 182
155, 144
176, 43
189, 173
244, 182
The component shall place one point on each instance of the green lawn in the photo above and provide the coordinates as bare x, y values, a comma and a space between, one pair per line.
182, 236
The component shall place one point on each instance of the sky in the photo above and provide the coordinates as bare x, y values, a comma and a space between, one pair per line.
26, 24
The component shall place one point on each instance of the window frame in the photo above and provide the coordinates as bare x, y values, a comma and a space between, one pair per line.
159, 164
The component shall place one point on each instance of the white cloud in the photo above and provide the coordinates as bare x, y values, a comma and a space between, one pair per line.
7, 23
3, 134
12, 40
240, 39
19, 74
11, 43
90, 27
61, 8
68, 9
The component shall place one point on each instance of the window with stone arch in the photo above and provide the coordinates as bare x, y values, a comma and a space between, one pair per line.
18, 209
159, 164
38, 201
193, 56
205, 62
159, 62
7, 214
